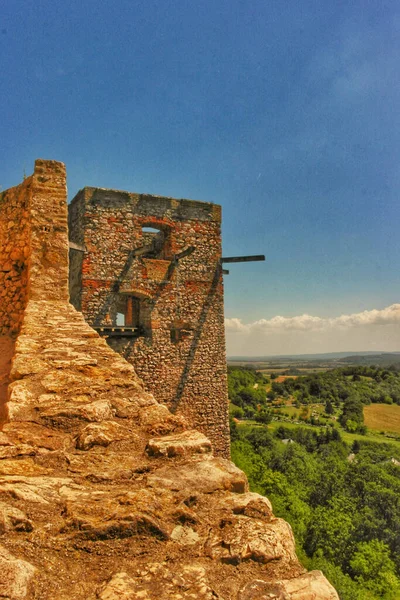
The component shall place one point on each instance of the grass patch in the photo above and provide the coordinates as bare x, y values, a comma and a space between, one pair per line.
349, 438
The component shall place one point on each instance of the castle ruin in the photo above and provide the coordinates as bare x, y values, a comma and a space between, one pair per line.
146, 272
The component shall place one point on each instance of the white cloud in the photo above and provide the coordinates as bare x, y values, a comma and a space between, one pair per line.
387, 316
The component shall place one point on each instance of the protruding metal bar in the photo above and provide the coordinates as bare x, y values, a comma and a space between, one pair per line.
225, 272
236, 259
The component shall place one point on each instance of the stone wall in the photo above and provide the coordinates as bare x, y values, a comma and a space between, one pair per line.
33, 229
76, 222
14, 255
180, 354
48, 275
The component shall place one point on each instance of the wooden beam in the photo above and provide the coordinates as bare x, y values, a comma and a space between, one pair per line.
143, 250
77, 247
184, 253
236, 259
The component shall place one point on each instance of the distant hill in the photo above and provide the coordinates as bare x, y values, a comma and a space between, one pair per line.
296, 363
350, 356
383, 359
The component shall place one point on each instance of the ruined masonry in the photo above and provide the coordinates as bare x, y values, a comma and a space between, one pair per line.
145, 271
104, 493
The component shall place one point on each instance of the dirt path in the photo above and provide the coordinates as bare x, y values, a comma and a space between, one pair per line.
6, 353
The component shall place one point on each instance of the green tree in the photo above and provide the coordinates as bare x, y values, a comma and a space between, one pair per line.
264, 417
373, 568
329, 407
332, 531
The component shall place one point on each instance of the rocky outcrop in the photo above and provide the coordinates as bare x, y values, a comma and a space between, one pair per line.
104, 494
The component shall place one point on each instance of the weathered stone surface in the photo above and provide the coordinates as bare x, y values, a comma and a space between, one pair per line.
15, 576
41, 490
20, 450
185, 536
37, 436
25, 466
181, 444
101, 434
241, 538
157, 420
120, 587
157, 581
250, 504
14, 236
310, 586
97, 411
205, 476
12, 518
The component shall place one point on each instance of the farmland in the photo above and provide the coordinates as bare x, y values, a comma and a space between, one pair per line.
357, 400
382, 417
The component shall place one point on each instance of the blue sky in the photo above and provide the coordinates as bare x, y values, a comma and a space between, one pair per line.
286, 113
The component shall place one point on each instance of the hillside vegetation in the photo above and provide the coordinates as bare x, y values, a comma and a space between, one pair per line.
335, 397
342, 499
345, 513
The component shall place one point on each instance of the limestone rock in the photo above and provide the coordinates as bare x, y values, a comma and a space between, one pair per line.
250, 504
186, 536
100, 434
26, 365
205, 476
20, 466
310, 586
16, 575
135, 524
20, 399
120, 587
157, 420
12, 518
180, 444
101, 515
158, 581
97, 411
37, 436
97, 468
242, 538
14, 451
40, 490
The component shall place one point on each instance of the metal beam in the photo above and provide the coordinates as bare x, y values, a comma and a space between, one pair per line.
237, 259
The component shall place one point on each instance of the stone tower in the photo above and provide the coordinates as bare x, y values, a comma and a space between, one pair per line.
145, 271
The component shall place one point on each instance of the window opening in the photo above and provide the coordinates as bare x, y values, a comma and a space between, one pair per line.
157, 240
132, 312
153, 230
120, 320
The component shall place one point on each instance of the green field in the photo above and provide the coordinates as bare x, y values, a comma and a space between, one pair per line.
349, 438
